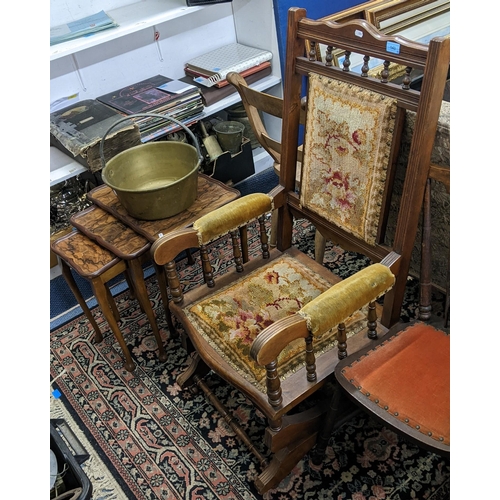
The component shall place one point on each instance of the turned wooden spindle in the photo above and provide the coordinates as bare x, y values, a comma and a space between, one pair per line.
365, 68
329, 56
238, 260
407, 78
174, 283
208, 274
372, 321
273, 384
310, 360
312, 51
385, 72
263, 238
347, 61
244, 242
342, 341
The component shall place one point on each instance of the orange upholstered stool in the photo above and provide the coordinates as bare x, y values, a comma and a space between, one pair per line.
405, 380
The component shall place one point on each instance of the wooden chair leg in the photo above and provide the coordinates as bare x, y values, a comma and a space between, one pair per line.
326, 429
319, 247
425, 306
68, 276
282, 464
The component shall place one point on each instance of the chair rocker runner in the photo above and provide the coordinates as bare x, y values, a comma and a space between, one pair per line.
276, 326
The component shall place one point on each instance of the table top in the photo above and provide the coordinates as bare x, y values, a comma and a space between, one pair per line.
212, 194
85, 256
110, 232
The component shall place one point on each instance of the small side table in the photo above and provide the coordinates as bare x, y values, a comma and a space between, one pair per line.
129, 246
98, 265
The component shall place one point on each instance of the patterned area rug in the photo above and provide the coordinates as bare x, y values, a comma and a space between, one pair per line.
154, 441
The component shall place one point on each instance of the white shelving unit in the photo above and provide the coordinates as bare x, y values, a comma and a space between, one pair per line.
130, 19
108, 60
62, 167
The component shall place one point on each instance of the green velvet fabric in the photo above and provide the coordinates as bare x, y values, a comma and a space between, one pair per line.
339, 302
232, 216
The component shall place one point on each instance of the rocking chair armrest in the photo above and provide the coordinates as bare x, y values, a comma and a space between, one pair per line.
232, 216
324, 312
166, 248
343, 299
273, 339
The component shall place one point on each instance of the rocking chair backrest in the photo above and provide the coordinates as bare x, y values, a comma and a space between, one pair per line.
338, 133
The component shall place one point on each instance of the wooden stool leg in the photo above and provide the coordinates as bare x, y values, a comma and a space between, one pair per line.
130, 283
101, 294
143, 298
112, 303
66, 272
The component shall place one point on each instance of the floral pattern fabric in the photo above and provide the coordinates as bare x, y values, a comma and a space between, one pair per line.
231, 319
346, 154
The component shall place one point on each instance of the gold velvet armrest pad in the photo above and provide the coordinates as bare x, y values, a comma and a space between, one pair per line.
232, 216
345, 298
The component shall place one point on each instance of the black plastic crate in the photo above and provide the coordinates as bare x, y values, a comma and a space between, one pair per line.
73, 484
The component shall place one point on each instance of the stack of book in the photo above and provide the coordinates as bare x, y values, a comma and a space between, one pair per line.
157, 95
210, 69
214, 94
78, 130
82, 27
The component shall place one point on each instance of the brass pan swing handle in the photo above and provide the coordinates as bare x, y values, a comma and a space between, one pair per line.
153, 115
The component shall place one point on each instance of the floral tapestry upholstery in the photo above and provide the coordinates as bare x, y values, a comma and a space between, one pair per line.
231, 319
347, 149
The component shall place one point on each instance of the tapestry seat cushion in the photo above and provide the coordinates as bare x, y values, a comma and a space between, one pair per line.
347, 150
230, 319
419, 396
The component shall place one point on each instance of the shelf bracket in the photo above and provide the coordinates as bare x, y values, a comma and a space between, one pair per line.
78, 74
156, 35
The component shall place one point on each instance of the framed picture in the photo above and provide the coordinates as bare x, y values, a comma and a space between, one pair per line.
418, 20
393, 16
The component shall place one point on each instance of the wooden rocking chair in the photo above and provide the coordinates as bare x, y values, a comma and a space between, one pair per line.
276, 326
